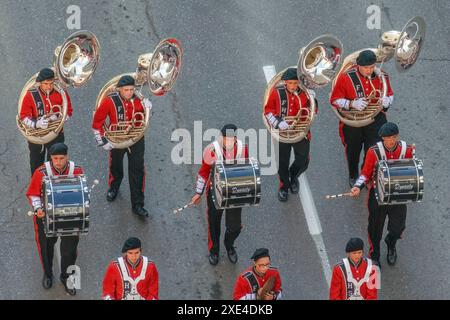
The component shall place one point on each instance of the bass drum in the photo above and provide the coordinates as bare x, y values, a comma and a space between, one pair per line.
66, 202
236, 184
399, 181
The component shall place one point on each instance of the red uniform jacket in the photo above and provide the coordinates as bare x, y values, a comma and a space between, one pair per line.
272, 109
35, 187
209, 158
113, 283
344, 88
339, 285
372, 160
108, 109
29, 109
245, 290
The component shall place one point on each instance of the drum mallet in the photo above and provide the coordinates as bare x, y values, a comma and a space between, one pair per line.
95, 183
182, 208
332, 196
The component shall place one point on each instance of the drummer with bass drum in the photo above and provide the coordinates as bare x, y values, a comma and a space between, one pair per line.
391, 148
58, 166
227, 148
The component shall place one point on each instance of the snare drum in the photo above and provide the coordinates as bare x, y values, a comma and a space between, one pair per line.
66, 202
399, 181
236, 184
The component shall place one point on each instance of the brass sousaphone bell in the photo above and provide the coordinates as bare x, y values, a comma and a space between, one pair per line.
317, 66
159, 70
404, 47
74, 63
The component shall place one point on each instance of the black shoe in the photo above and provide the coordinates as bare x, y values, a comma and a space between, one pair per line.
140, 211
294, 185
111, 195
282, 195
351, 182
391, 255
232, 256
213, 259
47, 282
69, 291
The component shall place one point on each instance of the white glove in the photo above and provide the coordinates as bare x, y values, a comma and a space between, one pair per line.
108, 146
42, 123
147, 103
359, 104
385, 102
283, 125
53, 117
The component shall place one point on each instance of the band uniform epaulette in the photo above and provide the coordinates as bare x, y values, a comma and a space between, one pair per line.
43, 170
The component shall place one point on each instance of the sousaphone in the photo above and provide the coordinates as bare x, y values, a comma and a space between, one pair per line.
317, 66
404, 47
74, 64
158, 70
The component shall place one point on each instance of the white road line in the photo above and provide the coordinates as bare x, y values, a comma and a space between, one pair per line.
309, 207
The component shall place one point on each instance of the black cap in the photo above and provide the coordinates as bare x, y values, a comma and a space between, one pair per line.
130, 244
366, 58
229, 130
290, 74
354, 244
260, 253
45, 74
388, 129
125, 81
58, 149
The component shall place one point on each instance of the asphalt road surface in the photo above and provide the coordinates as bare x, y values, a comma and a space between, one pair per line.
226, 44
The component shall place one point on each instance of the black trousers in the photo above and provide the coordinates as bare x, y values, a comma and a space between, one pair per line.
300, 164
46, 246
39, 153
233, 225
136, 170
377, 217
355, 138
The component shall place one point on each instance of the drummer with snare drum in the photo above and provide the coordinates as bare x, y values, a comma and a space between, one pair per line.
227, 148
390, 148
59, 165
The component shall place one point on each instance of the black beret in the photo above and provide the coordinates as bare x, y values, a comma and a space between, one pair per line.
366, 58
229, 130
388, 129
58, 149
290, 74
260, 253
130, 244
125, 81
45, 74
354, 244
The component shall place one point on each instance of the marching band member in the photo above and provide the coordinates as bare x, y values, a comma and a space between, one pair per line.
37, 103
121, 106
227, 148
289, 100
390, 148
58, 165
351, 92
354, 278
259, 282
132, 276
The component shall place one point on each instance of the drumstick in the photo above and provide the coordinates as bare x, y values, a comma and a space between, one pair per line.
182, 208
338, 195
30, 213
